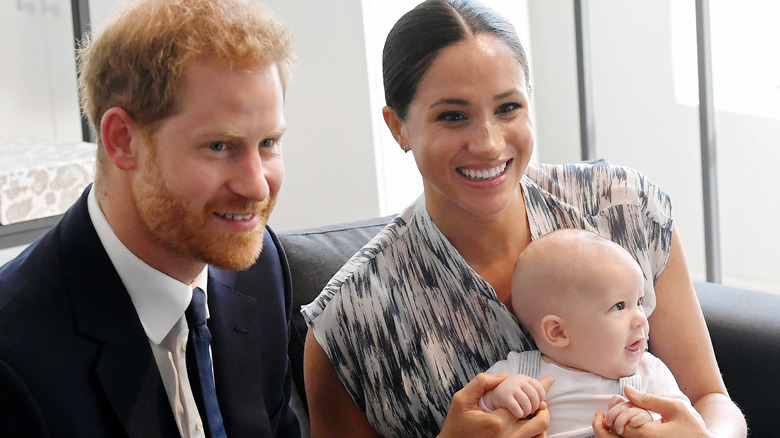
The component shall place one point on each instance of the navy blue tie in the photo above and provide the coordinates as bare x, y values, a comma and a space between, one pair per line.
199, 365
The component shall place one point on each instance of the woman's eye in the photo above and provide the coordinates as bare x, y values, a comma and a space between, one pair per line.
451, 117
509, 107
619, 306
218, 146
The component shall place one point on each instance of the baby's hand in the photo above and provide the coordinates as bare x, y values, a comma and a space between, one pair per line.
623, 413
519, 394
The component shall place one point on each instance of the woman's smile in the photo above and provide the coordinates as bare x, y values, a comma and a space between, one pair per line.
484, 174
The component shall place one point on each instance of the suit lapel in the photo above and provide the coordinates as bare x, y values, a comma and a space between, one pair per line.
103, 311
248, 322
236, 334
225, 300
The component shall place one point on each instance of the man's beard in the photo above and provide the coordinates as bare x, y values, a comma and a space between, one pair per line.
193, 233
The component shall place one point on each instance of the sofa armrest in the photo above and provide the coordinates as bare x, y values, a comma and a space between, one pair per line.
745, 329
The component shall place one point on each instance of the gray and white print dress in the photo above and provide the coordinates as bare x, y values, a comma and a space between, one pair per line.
407, 323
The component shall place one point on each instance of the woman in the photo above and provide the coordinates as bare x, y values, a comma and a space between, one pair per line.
422, 309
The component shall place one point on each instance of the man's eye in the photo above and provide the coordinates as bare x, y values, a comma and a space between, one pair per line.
619, 306
267, 143
218, 146
451, 117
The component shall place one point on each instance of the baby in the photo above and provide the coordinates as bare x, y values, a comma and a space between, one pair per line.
580, 297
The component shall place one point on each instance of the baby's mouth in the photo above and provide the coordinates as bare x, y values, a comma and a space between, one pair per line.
636, 346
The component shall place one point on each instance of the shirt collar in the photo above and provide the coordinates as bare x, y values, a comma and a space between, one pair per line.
159, 300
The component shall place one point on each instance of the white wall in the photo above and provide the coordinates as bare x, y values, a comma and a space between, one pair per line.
328, 147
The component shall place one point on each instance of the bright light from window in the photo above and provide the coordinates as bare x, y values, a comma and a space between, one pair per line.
745, 55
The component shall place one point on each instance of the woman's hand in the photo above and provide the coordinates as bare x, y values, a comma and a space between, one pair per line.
676, 419
519, 394
466, 419
622, 413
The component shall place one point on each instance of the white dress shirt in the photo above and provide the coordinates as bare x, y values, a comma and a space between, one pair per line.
160, 302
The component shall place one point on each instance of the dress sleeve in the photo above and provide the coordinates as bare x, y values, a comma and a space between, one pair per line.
637, 214
616, 202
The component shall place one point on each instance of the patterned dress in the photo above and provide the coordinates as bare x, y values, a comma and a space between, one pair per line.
407, 323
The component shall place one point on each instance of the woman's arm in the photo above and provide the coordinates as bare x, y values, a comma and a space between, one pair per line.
332, 412
680, 338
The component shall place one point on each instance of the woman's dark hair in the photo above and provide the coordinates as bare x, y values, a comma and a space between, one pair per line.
417, 37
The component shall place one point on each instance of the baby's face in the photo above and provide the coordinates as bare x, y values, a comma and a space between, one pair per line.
609, 330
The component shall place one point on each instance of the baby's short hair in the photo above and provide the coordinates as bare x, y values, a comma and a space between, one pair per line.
548, 270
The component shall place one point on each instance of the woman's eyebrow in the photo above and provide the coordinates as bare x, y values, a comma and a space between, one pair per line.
449, 101
506, 94
463, 102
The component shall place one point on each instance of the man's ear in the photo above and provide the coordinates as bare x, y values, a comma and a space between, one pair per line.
553, 331
117, 132
396, 126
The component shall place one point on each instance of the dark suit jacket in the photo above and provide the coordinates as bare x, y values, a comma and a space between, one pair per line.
75, 361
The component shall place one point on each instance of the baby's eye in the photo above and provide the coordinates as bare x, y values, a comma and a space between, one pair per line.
619, 306
640, 302
218, 146
451, 116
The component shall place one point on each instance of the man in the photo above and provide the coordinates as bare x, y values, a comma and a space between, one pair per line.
186, 101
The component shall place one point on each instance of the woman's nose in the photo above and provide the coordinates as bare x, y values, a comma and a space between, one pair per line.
488, 140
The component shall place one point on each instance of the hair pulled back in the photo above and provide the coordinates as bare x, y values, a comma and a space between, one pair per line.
415, 40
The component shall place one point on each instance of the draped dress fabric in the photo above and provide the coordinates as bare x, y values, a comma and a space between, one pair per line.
407, 323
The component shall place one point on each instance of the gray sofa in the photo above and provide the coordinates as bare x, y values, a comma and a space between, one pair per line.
744, 325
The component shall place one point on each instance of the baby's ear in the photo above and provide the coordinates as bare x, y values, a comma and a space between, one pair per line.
554, 332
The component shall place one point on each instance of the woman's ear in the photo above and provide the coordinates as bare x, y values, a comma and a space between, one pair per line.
396, 126
117, 131
553, 331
